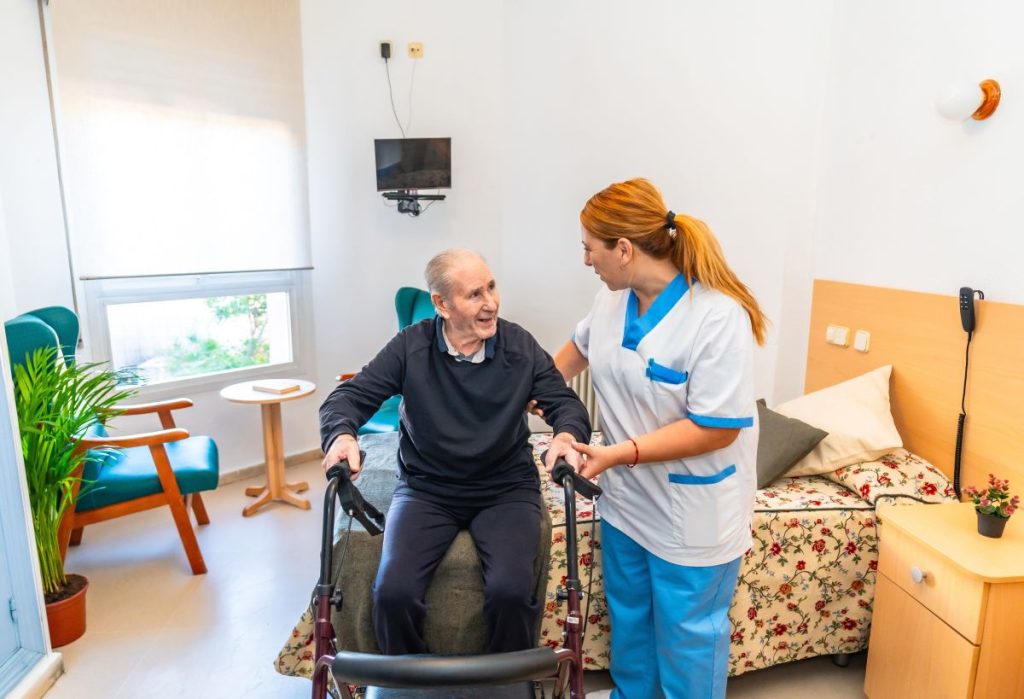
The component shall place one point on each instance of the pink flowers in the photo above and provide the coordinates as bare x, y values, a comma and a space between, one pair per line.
994, 499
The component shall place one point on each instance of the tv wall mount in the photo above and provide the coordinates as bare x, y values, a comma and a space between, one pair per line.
409, 200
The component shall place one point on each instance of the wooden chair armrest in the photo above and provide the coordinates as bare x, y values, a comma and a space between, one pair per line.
343, 377
160, 406
135, 440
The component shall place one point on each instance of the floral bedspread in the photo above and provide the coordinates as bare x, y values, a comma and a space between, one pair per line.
805, 588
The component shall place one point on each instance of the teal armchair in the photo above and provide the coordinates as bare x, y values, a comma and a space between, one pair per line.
411, 306
139, 472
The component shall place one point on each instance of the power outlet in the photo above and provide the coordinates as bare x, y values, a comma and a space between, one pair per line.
415, 49
837, 335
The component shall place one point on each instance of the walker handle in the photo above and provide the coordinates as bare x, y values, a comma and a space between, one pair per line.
352, 502
562, 469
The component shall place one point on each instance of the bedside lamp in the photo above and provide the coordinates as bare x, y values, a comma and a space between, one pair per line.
960, 102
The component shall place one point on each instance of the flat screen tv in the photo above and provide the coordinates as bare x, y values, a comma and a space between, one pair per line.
413, 163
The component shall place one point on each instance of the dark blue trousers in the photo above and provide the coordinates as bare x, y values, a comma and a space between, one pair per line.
416, 538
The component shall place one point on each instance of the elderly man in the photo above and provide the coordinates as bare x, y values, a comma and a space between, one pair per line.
464, 459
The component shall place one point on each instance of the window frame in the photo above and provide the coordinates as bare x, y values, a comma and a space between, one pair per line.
101, 293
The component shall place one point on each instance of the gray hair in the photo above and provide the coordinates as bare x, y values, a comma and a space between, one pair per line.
438, 272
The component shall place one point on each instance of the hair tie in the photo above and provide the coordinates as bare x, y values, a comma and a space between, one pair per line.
670, 220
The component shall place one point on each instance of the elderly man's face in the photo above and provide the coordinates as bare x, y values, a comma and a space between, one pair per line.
472, 311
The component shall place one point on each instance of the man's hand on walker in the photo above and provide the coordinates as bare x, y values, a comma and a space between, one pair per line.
344, 448
561, 447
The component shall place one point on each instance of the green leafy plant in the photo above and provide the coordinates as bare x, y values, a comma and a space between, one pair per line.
56, 405
994, 499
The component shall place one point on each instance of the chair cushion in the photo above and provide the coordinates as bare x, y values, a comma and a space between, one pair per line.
385, 419
130, 473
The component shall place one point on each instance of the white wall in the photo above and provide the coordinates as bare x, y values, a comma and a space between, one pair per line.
909, 199
363, 250
547, 103
719, 104
38, 269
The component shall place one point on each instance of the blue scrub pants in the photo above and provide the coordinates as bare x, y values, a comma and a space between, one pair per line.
670, 623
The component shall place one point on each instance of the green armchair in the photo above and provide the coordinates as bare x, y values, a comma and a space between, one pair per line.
411, 306
139, 472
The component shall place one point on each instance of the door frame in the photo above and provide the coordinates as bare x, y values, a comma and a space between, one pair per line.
34, 665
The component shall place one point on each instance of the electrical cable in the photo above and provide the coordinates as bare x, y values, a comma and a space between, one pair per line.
412, 80
391, 96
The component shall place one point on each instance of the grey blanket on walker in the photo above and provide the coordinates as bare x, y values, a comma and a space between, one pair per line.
455, 599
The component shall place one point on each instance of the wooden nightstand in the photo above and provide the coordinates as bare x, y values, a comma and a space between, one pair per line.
948, 618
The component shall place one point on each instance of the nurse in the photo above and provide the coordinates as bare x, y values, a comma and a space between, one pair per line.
670, 347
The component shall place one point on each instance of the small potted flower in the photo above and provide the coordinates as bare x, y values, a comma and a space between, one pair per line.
993, 505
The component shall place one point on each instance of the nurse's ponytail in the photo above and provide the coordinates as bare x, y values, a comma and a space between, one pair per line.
697, 254
635, 210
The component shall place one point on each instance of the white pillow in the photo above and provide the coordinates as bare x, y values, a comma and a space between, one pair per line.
857, 416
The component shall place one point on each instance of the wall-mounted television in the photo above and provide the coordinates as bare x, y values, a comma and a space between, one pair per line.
413, 163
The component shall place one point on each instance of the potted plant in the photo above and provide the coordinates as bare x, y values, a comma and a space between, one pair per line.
993, 505
56, 404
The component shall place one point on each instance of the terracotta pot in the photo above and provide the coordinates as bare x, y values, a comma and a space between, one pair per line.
66, 618
991, 525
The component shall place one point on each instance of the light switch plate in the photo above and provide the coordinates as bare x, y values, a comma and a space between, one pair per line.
862, 340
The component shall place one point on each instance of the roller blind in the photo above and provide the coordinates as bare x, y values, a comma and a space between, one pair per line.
182, 133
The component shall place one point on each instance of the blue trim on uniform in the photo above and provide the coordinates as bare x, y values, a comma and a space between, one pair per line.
688, 479
665, 374
489, 343
727, 422
636, 328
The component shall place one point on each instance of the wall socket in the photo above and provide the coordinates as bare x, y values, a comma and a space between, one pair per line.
837, 335
415, 49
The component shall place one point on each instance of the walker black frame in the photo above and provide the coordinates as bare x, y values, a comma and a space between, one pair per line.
564, 665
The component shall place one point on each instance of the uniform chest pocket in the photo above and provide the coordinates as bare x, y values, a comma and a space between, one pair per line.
702, 506
664, 374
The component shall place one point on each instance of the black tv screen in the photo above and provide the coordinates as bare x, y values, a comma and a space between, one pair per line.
413, 163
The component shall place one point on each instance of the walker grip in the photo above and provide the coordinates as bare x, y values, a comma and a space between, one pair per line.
562, 470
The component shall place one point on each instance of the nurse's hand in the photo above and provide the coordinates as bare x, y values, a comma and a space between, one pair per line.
562, 447
598, 459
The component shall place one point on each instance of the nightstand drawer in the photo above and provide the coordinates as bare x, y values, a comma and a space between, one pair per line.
951, 593
912, 653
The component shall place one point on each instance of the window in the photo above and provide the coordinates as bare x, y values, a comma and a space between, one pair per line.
161, 331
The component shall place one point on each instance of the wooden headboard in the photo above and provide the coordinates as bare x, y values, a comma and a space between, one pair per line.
921, 336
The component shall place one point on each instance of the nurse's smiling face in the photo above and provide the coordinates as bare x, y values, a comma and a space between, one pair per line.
607, 262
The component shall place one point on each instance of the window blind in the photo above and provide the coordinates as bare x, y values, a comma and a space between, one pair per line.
182, 133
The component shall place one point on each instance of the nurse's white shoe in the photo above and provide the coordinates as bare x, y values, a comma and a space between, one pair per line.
600, 694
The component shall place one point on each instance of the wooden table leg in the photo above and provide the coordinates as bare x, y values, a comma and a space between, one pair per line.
273, 450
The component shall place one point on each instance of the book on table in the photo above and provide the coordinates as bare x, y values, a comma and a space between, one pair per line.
277, 386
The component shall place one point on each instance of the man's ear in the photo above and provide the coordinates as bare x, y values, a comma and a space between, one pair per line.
439, 306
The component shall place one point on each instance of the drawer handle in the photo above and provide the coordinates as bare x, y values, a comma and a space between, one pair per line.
918, 575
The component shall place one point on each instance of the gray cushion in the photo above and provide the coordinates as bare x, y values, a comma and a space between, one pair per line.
783, 441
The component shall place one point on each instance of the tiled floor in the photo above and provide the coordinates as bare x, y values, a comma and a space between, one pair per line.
155, 630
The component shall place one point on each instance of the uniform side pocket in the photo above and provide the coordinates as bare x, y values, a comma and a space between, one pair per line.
701, 506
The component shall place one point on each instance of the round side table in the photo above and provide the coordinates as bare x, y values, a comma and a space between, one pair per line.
276, 488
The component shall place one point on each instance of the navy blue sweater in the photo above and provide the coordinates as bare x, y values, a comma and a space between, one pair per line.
463, 431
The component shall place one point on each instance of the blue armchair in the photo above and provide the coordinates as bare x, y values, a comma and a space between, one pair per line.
411, 306
140, 472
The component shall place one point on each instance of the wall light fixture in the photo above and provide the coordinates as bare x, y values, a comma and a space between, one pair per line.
962, 101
